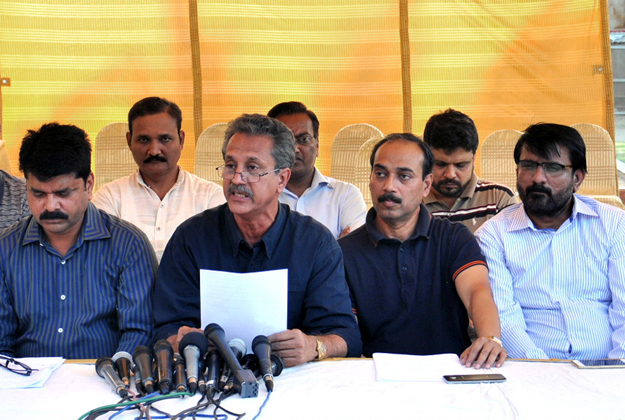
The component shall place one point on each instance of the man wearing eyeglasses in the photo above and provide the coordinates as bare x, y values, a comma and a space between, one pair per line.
254, 232
336, 204
557, 260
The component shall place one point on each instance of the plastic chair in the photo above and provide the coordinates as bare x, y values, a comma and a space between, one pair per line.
5, 165
362, 170
345, 148
497, 157
113, 159
208, 152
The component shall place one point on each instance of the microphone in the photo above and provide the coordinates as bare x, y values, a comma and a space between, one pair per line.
123, 365
238, 349
164, 354
213, 363
143, 359
244, 380
262, 349
138, 385
104, 368
179, 373
192, 347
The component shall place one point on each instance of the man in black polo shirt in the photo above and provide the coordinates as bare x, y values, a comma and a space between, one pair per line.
414, 279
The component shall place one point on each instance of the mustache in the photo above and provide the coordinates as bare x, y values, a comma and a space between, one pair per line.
389, 197
539, 189
155, 158
53, 215
240, 189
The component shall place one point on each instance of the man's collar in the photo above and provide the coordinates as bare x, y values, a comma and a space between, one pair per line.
421, 229
179, 179
92, 228
520, 220
269, 239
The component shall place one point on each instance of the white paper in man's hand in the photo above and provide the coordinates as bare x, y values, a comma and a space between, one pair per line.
245, 304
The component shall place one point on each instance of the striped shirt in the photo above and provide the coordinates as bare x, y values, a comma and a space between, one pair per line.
479, 201
92, 302
13, 201
560, 293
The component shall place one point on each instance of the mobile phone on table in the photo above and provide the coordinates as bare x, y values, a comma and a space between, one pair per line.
474, 379
599, 363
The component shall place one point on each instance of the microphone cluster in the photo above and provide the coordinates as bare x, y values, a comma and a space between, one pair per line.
205, 362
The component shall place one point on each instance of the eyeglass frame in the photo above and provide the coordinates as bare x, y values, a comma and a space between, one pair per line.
547, 172
246, 178
27, 370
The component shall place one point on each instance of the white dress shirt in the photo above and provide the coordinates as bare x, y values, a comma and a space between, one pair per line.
333, 203
131, 199
560, 293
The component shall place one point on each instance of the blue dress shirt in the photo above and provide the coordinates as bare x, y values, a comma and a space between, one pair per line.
92, 302
318, 298
560, 293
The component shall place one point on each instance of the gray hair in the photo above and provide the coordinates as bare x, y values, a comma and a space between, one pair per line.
283, 151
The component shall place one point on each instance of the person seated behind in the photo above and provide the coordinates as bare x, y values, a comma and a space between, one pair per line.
254, 232
415, 279
336, 204
160, 195
75, 282
13, 200
557, 259
457, 193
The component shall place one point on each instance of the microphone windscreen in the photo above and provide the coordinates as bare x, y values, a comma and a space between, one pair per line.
239, 345
196, 339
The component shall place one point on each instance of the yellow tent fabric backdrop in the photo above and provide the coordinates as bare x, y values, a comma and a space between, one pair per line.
388, 63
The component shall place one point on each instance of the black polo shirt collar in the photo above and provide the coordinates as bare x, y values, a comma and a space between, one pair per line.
421, 230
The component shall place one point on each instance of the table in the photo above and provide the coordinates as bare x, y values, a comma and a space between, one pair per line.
347, 389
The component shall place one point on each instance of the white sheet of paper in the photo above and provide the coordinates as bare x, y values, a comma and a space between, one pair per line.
44, 365
409, 368
245, 304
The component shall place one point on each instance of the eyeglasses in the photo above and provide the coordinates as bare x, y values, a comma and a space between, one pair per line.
549, 168
228, 172
15, 366
304, 139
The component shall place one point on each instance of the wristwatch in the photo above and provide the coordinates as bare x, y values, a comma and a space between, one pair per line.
495, 339
322, 351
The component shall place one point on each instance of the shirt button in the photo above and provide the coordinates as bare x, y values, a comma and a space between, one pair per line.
401, 249
63, 262
60, 330
162, 205
404, 268
253, 262
62, 297
158, 228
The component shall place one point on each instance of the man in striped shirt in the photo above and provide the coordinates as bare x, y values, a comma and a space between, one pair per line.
74, 281
457, 193
557, 261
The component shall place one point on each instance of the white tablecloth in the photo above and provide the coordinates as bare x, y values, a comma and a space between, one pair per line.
347, 389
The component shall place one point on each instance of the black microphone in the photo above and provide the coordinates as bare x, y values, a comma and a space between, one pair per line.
262, 349
143, 359
238, 349
123, 365
179, 373
244, 380
192, 347
104, 368
213, 363
201, 381
138, 384
164, 355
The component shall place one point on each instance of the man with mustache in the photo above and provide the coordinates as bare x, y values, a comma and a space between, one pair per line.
457, 193
160, 195
254, 232
336, 204
557, 260
74, 281
415, 279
